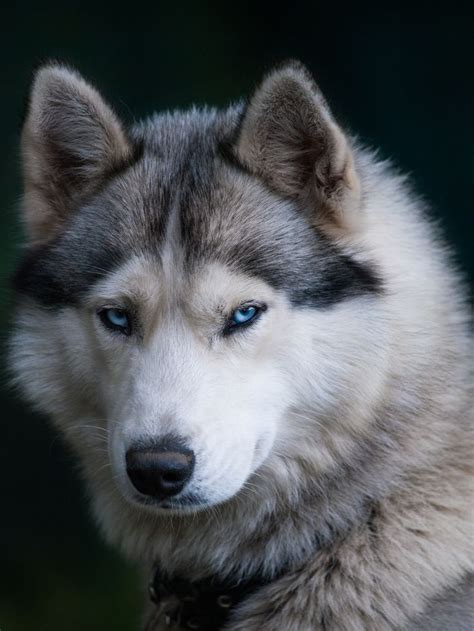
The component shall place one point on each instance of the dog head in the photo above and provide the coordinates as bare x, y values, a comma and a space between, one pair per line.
195, 310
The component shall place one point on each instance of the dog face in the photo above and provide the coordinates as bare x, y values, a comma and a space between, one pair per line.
190, 305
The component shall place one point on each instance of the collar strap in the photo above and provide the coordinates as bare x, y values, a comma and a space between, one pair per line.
204, 605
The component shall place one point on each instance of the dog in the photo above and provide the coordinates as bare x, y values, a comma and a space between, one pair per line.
257, 344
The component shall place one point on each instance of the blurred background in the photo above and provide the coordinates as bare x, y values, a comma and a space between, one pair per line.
399, 77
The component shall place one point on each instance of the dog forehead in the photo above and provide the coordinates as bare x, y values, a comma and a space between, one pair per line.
211, 212
185, 190
167, 285
183, 196
184, 177
220, 212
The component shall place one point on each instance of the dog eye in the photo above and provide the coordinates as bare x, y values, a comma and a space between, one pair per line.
242, 317
116, 320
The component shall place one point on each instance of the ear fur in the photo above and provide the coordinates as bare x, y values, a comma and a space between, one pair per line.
71, 138
290, 139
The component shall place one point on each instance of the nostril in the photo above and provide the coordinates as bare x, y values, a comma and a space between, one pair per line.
161, 470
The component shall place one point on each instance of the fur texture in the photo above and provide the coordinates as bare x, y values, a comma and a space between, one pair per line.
332, 436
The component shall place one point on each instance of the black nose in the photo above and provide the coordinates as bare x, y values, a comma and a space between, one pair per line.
160, 470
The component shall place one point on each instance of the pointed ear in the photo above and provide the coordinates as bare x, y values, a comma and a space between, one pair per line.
290, 139
70, 140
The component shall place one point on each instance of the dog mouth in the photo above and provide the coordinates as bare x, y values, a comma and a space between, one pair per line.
186, 503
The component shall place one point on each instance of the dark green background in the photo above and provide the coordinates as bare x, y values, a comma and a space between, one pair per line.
400, 77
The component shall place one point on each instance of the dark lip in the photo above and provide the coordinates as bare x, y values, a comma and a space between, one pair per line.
191, 501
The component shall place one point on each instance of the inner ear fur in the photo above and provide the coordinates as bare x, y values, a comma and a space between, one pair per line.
289, 138
70, 140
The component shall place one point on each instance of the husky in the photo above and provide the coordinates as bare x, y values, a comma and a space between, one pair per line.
257, 344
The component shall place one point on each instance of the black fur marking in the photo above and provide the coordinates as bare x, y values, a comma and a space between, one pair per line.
119, 220
178, 163
282, 248
57, 277
322, 280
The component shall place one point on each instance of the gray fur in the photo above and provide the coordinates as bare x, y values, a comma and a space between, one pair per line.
180, 163
454, 610
365, 495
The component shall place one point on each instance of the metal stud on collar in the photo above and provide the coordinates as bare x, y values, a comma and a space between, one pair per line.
170, 618
152, 593
224, 601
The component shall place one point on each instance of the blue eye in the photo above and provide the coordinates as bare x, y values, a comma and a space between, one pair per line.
116, 320
244, 315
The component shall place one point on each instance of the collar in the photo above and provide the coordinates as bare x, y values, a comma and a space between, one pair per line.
204, 605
